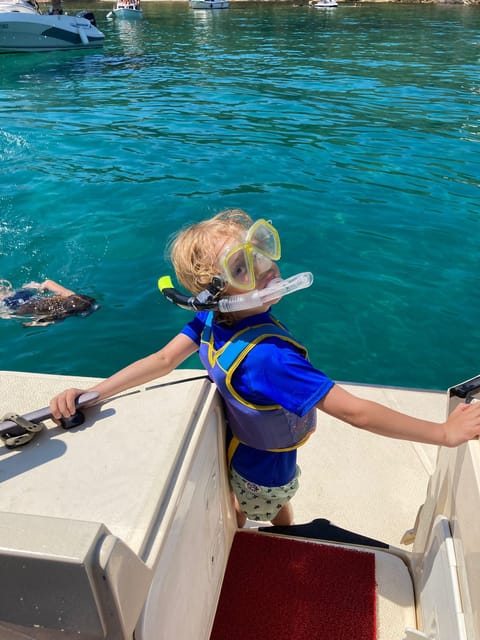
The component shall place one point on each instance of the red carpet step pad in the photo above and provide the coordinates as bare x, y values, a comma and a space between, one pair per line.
281, 589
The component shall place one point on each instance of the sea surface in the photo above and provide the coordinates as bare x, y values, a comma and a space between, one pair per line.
355, 130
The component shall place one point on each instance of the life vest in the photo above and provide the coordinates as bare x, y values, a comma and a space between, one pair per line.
265, 427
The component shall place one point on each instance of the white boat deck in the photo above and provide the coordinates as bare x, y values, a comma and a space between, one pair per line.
114, 469
136, 498
364, 482
359, 481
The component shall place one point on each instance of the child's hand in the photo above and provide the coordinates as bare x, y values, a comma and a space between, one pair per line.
462, 424
63, 405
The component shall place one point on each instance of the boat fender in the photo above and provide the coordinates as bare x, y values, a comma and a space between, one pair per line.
16, 430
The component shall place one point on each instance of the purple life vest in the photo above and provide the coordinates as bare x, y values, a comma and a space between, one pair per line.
270, 427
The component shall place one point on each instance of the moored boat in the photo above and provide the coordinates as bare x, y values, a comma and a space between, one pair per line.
323, 4
123, 526
209, 4
24, 29
126, 9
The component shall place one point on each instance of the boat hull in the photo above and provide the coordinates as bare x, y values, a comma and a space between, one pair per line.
324, 4
206, 4
24, 32
130, 14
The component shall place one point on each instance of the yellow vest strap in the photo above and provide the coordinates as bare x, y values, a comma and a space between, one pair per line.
232, 447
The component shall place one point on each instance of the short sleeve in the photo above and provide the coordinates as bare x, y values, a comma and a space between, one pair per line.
194, 329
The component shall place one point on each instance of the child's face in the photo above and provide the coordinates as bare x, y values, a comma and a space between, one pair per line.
264, 271
247, 260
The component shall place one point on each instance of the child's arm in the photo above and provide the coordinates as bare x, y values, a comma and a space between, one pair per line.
153, 366
54, 287
463, 424
50, 285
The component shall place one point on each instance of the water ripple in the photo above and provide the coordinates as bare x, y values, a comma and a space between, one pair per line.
356, 131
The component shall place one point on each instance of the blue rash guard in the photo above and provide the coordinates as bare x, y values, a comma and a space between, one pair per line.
274, 372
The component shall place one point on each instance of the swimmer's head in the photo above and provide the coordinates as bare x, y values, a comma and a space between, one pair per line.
6, 288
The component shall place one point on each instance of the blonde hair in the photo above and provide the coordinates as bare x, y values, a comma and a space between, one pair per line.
194, 250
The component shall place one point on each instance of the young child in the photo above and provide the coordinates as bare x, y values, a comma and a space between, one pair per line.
44, 302
271, 390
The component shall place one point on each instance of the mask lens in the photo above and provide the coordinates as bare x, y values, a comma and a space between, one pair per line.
239, 268
264, 237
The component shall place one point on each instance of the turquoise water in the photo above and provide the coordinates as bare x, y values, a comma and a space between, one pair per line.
355, 130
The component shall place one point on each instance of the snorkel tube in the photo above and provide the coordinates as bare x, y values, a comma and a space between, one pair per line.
203, 302
206, 300
276, 289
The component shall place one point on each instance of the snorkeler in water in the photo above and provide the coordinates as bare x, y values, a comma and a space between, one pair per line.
44, 302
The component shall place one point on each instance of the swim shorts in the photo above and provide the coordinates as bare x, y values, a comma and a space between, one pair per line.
18, 298
262, 503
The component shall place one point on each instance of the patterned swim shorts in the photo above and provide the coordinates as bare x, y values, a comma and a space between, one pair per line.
262, 503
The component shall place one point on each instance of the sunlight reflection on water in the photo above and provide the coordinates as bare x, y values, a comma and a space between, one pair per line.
356, 132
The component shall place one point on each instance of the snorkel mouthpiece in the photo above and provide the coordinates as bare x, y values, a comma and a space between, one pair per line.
206, 300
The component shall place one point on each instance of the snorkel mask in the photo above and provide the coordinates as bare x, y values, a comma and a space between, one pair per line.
239, 265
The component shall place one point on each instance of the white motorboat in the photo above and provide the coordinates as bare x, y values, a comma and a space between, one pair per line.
126, 9
24, 29
209, 4
122, 527
323, 4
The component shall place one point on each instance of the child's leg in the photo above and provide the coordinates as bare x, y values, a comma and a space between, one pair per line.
284, 517
259, 503
241, 517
